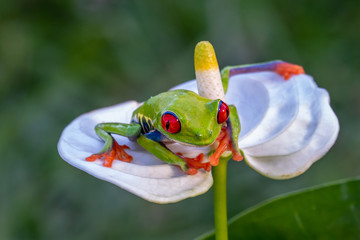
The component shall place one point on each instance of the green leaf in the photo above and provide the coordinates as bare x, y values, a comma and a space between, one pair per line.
330, 211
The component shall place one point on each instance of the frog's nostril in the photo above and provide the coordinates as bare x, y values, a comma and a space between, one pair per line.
203, 135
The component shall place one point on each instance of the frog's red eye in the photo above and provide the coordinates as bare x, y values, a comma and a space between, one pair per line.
170, 122
223, 112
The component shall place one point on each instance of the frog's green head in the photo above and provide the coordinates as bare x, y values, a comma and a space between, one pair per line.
191, 119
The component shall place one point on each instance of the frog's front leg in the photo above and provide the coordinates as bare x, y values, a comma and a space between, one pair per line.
112, 150
285, 69
150, 142
233, 128
228, 138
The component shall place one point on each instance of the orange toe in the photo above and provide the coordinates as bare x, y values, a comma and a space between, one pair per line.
192, 171
288, 69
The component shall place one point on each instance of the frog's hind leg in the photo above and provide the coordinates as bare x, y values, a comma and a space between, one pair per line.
112, 150
285, 69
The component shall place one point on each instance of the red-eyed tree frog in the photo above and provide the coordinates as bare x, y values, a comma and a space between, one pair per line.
184, 117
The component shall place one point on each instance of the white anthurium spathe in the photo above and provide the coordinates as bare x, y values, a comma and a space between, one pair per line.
285, 127
146, 176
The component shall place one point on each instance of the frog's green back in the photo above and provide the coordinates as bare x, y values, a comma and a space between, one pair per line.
176, 100
196, 114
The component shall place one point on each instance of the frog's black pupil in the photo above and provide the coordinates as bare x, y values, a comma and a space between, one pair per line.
167, 125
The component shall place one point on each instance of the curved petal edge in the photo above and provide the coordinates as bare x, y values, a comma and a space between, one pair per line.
306, 138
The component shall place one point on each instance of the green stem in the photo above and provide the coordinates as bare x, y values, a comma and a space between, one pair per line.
220, 210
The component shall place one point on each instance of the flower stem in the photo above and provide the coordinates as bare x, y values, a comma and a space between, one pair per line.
220, 209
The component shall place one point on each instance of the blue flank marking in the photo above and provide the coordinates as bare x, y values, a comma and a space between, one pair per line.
154, 135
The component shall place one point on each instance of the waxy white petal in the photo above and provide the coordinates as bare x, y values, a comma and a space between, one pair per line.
146, 176
285, 125
303, 138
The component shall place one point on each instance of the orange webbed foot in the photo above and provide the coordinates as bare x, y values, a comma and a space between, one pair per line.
196, 163
224, 145
117, 152
288, 69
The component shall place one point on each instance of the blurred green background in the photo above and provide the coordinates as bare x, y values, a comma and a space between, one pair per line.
59, 59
